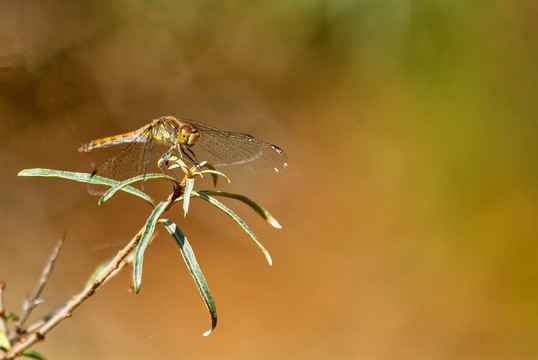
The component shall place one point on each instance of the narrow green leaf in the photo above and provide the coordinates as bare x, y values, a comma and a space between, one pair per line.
237, 219
194, 268
29, 353
85, 178
189, 185
144, 240
96, 179
254, 205
4, 341
120, 185
82, 177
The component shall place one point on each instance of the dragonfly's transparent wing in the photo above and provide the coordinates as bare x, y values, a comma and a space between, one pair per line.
130, 161
221, 147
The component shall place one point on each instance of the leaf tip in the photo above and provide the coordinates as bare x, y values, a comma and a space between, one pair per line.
25, 172
269, 260
274, 223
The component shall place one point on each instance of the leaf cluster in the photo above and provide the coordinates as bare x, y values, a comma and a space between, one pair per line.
18, 345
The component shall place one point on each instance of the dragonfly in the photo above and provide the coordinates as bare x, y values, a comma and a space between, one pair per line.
192, 140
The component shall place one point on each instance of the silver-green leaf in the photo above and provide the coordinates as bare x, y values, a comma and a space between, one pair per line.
194, 268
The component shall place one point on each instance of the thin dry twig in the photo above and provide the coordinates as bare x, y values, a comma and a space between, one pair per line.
31, 304
65, 311
36, 331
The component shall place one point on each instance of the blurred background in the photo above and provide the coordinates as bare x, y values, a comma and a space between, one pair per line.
409, 207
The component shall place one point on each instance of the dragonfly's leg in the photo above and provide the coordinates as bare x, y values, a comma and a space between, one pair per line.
164, 161
164, 158
190, 155
167, 154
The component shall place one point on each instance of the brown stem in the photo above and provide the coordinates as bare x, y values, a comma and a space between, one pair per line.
66, 311
30, 304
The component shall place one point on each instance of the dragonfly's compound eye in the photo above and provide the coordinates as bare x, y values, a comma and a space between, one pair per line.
188, 135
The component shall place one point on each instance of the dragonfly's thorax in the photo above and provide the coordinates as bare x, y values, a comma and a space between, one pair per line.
164, 130
174, 131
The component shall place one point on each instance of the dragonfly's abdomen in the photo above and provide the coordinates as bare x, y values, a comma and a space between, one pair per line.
108, 141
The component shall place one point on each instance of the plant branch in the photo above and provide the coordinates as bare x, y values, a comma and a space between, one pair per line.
31, 304
66, 311
24, 338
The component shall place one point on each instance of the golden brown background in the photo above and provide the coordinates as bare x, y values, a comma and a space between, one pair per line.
409, 209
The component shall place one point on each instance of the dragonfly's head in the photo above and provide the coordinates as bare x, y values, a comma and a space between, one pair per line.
188, 135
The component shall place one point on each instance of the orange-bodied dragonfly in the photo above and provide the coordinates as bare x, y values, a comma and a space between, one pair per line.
193, 141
